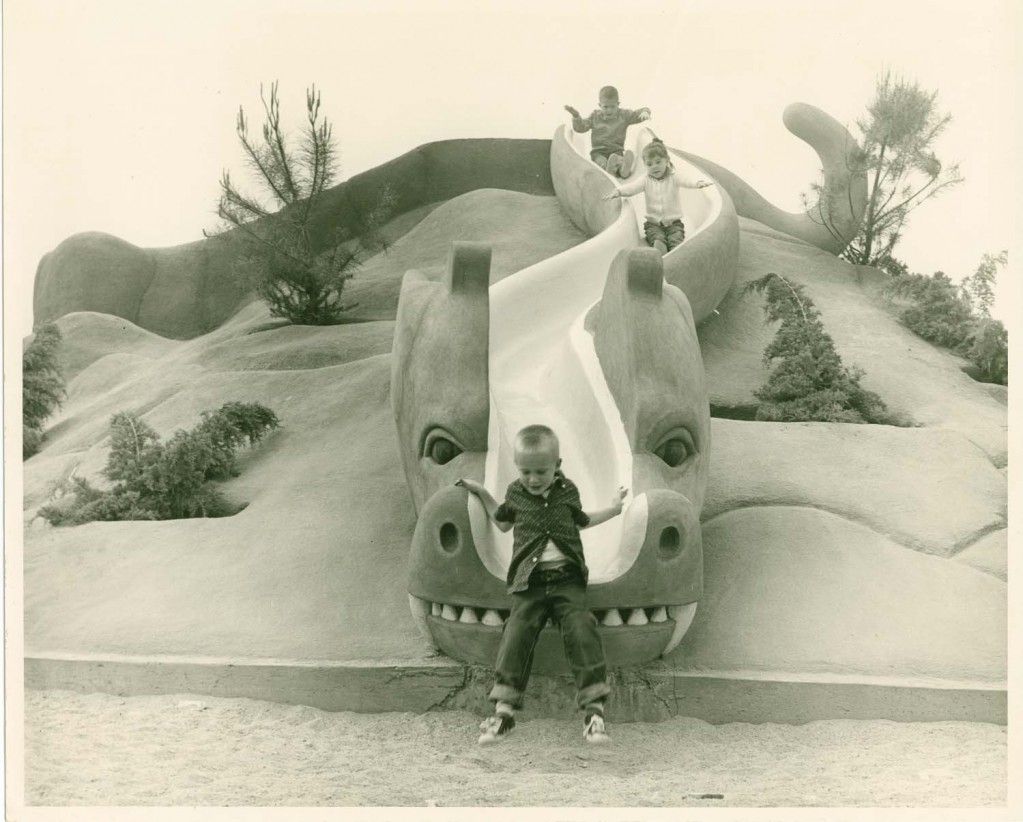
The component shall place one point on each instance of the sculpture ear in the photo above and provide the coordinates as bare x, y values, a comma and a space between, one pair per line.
468, 268
645, 272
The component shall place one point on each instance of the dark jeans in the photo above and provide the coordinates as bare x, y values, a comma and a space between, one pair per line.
561, 595
671, 235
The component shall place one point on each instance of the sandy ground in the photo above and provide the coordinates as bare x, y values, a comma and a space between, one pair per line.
98, 749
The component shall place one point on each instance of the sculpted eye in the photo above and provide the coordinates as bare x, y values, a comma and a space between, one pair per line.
440, 447
675, 448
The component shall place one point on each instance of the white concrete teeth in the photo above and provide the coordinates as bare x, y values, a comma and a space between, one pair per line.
492, 618
467, 615
637, 617
612, 617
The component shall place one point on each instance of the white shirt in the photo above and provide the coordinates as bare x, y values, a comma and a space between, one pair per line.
663, 203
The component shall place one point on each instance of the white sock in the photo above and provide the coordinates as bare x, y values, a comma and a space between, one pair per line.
505, 709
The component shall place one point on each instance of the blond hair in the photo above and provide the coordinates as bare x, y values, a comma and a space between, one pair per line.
537, 438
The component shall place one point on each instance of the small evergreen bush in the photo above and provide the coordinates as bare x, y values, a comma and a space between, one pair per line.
809, 382
42, 387
958, 317
171, 480
937, 310
989, 351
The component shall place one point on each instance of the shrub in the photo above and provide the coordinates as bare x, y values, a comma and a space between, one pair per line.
809, 382
172, 480
958, 317
937, 311
989, 351
42, 388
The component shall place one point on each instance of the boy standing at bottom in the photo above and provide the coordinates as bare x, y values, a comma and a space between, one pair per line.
546, 578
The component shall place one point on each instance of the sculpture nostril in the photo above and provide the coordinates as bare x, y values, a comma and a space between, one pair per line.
449, 537
671, 542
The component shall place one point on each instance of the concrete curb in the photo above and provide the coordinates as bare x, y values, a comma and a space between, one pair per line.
640, 695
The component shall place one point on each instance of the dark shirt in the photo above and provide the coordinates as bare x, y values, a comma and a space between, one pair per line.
557, 517
608, 134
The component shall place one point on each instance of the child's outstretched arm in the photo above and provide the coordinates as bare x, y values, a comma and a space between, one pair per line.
490, 505
626, 189
683, 180
579, 123
637, 116
604, 514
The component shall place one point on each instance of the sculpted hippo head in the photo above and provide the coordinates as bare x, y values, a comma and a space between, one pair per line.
623, 387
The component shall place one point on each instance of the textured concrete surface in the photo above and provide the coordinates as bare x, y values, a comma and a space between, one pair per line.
883, 477
188, 290
649, 694
807, 591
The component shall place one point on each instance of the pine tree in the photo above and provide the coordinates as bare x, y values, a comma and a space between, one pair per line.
43, 388
903, 172
808, 382
299, 275
979, 287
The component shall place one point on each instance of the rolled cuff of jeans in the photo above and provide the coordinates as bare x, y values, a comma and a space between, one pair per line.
506, 693
592, 693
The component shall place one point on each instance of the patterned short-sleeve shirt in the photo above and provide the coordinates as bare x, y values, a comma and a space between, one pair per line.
537, 519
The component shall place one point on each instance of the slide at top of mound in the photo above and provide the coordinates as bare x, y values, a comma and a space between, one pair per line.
703, 267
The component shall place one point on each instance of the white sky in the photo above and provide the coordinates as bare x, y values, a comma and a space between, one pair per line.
119, 114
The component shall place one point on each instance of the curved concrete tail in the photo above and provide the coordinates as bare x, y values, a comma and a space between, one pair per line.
833, 220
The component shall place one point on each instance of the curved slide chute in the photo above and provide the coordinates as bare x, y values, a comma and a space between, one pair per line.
596, 342
543, 366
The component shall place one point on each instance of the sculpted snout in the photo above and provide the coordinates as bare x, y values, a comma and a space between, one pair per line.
668, 570
445, 565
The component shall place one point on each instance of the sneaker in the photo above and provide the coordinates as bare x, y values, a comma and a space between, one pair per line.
614, 164
594, 730
495, 728
627, 160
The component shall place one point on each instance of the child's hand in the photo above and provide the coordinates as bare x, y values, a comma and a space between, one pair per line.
703, 184
619, 500
573, 112
468, 484
614, 195
644, 115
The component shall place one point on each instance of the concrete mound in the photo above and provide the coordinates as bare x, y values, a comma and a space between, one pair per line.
920, 382
825, 596
834, 553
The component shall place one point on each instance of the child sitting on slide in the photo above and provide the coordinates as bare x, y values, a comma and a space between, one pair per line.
608, 124
546, 579
663, 226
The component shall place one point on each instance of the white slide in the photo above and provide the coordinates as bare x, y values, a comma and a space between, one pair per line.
544, 369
